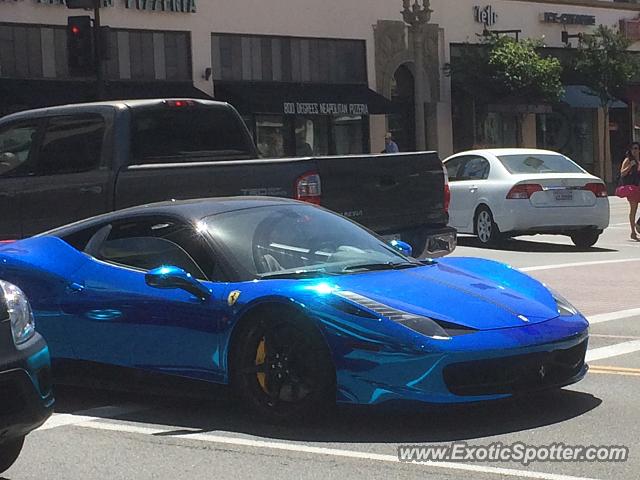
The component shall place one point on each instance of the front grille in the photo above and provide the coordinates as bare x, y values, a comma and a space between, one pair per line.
515, 374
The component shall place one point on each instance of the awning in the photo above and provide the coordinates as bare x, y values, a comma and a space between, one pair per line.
20, 94
302, 99
581, 96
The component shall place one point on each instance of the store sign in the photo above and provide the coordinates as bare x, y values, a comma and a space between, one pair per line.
568, 18
485, 15
182, 6
297, 108
631, 29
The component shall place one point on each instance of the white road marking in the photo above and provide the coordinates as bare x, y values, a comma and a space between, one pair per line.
301, 448
578, 264
65, 419
613, 350
607, 317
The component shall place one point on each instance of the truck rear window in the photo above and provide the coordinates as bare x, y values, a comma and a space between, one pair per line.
164, 135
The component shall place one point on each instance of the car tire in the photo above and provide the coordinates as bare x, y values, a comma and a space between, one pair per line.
9, 452
282, 368
485, 228
585, 238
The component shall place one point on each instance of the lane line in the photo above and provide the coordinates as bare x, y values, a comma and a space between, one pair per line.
65, 419
301, 448
607, 372
578, 264
623, 337
607, 317
616, 369
613, 350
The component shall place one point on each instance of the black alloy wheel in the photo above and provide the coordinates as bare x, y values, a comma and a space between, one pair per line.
9, 452
282, 368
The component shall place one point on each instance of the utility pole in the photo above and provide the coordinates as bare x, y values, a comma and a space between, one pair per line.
416, 16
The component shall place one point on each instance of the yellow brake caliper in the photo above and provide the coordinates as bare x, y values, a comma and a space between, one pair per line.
260, 359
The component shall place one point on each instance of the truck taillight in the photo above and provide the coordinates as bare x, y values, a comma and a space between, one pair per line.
447, 190
523, 191
308, 188
598, 189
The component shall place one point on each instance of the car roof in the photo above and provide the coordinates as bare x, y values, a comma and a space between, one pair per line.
101, 106
505, 151
191, 210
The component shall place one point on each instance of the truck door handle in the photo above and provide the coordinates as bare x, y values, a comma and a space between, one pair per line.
92, 189
473, 188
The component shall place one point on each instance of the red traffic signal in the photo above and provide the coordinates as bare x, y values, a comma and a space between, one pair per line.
80, 46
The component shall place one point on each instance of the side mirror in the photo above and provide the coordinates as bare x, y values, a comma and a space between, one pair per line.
402, 247
175, 277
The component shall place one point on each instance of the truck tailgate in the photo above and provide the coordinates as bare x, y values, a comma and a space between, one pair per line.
386, 193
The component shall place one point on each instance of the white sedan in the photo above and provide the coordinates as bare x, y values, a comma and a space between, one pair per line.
497, 193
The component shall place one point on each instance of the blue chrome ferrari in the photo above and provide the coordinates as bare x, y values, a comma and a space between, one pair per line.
293, 305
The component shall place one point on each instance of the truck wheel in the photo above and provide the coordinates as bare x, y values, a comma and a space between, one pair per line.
9, 452
585, 238
282, 368
485, 228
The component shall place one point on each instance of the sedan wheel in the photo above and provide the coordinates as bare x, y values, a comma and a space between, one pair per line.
485, 228
585, 238
283, 369
9, 452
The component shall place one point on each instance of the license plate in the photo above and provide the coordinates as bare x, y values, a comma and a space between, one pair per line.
564, 196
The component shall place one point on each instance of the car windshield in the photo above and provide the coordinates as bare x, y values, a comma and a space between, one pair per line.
539, 163
299, 241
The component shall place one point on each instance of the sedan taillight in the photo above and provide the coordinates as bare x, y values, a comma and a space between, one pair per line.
523, 191
598, 189
308, 188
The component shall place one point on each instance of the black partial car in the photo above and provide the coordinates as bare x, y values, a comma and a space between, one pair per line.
26, 398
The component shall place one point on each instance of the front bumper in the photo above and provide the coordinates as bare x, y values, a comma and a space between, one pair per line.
481, 366
26, 398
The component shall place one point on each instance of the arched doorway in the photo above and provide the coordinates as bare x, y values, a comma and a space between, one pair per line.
402, 121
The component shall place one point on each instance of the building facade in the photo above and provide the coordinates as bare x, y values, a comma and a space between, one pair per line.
317, 77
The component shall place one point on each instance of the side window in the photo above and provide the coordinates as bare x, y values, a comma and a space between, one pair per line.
454, 168
71, 144
16, 143
477, 168
151, 243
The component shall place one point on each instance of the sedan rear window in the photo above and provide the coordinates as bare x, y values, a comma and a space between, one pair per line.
539, 163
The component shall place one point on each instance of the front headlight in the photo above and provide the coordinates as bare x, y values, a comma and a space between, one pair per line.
429, 327
564, 307
20, 314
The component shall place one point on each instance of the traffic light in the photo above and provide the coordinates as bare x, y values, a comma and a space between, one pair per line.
80, 50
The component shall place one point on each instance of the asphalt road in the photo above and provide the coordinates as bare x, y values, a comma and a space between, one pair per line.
100, 435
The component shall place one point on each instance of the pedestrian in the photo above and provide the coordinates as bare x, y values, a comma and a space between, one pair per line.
389, 145
629, 187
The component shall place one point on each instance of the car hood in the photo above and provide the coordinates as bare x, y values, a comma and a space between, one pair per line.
474, 293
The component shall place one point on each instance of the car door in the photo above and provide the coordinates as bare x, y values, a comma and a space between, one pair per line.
126, 322
70, 178
17, 145
469, 175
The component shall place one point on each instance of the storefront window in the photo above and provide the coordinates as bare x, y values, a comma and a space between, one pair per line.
569, 131
348, 135
270, 135
312, 136
497, 129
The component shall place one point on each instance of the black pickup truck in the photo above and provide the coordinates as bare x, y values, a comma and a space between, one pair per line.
62, 164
